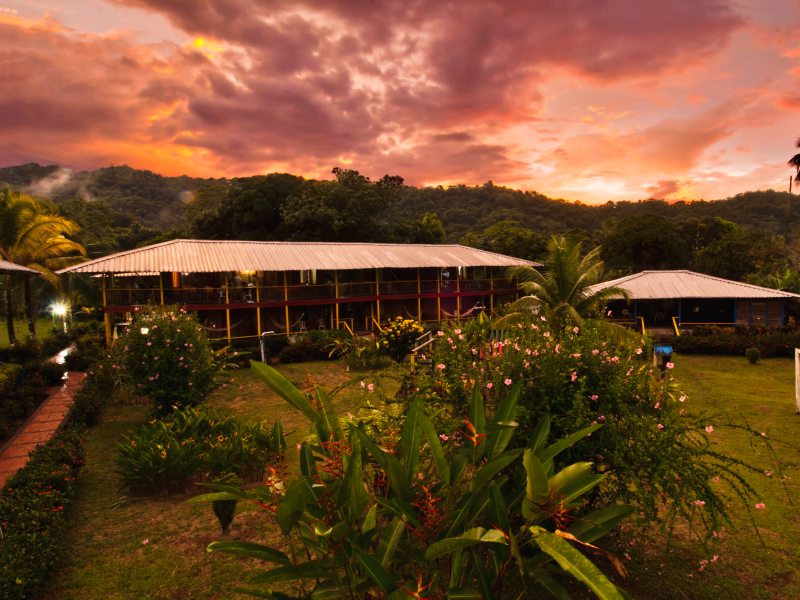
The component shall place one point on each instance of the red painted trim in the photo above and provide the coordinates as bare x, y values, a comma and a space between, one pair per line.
318, 301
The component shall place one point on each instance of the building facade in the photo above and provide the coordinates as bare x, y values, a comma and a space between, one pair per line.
245, 289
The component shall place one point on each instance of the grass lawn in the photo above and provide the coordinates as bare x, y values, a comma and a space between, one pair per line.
104, 556
42, 327
764, 394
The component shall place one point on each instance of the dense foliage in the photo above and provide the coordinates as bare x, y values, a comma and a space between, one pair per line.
166, 354
577, 378
313, 345
736, 341
193, 445
33, 506
396, 339
390, 519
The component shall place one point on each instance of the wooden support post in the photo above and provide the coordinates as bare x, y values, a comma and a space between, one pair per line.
419, 302
378, 302
258, 309
286, 299
797, 378
438, 297
105, 285
227, 310
458, 297
107, 318
491, 291
161, 287
336, 285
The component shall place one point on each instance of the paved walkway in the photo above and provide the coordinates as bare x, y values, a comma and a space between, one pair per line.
40, 428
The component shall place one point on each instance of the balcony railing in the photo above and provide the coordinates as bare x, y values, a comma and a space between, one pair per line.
251, 294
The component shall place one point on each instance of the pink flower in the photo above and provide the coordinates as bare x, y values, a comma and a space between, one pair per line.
151, 379
763, 435
298, 446
443, 437
658, 404
507, 382
760, 505
126, 347
370, 387
190, 384
543, 319
441, 367
362, 384
660, 426
716, 479
489, 385
682, 399
609, 313
768, 473
574, 375
709, 429
615, 359
699, 503
457, 331
595, 397
148, 343
419, 476
440, 333
601, 418
546, 334
670, 366
224, 385
146, 542
638, 351
575, 329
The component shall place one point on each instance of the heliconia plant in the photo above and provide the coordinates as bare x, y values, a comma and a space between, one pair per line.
368, 519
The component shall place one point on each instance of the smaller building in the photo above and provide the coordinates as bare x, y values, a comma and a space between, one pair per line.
670, 302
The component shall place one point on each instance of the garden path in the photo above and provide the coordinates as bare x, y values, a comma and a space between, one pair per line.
40, 428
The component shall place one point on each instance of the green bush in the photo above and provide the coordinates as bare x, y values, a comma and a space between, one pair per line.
377, 522
33, 505
51, 372
23, 352
735, 341
653, 447
313, 345
19, 396
753, 355
166, 355
397, 338
194, 444
224, 510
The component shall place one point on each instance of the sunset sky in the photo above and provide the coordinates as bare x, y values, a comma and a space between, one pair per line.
585, 100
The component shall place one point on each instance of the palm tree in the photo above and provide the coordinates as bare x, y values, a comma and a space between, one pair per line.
32, 234
564, 291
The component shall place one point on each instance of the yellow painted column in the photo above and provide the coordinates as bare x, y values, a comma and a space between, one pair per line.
161, 287
377, 293
258, 309
336, 285
105, 301
227, 310
106, 316
286, 299
491, 291
458, 297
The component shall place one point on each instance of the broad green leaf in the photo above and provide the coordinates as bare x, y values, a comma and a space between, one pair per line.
484, 581
390, 536
215, 497
497, 441
352, 489
370, 521
250, 550
562, 445
308, 465
470, 538
291, 507
327, 590
501, 426
483, 476
497, 513
456, 566
579, 486
576, 564
328, 412
376, 453
536, 487
512, 541
374, 569
480, 503
436, 447
397, 476
456, 593
277, 436
539, 436
595, 525
284, 388
225, 487
568, 474
309, 570
458, 467
459, 513
413, 552
411, 442
476, 416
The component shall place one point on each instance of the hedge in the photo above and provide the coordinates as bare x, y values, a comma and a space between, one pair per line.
33, 506
713, 340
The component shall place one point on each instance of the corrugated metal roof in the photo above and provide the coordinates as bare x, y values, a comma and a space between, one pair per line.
688, 284
13, 268
205, 256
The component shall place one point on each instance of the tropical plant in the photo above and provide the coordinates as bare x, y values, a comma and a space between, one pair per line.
397, 338
565, 291
224, 510
356, 352
32, 234
380, 523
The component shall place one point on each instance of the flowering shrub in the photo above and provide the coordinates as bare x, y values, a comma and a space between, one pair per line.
192, 444
397, 338
166, 355
33, 504
375, 521
577, 377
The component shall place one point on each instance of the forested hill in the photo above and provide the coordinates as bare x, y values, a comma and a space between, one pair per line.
464, 209
151, 199
157, 201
